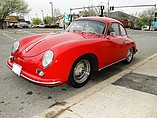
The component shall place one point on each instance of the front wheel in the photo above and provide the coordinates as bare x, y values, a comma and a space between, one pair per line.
130, 56
80, 72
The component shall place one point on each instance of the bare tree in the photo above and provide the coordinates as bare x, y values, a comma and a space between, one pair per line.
57, 12
90, 12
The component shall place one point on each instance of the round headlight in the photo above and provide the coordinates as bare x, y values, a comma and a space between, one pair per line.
15, 47
47, 59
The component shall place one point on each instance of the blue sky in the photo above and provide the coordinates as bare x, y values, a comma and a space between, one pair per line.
65, 5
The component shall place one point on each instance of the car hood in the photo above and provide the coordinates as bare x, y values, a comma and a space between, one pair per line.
48, 42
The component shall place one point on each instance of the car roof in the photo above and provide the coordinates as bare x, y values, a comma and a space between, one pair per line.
102, 19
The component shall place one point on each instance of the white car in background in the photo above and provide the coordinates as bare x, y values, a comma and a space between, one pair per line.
23, 25
39, 26
145, 28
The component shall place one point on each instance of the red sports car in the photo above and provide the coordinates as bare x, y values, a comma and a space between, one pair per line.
88, 44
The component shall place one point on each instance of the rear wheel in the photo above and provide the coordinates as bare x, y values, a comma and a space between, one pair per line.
80, 72
130, 56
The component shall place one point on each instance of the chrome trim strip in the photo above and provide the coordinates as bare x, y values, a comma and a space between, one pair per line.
112, 64
40, 82
33, 44
46, 83
8, 66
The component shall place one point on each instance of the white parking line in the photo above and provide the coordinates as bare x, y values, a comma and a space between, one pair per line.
32, 33
8, 36
29, 32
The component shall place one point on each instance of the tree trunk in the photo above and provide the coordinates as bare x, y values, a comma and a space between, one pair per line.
1, 24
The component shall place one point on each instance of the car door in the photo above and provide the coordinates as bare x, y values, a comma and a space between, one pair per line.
114, 44
125, 41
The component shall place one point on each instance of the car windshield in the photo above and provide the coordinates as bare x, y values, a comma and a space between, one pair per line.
89, 26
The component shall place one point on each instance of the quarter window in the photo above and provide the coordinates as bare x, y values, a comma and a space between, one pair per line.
123, 32
114, 27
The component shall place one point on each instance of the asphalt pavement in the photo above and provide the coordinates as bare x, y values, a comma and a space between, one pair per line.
125, 95
21, 99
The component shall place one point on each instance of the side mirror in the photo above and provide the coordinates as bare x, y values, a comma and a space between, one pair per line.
112, 34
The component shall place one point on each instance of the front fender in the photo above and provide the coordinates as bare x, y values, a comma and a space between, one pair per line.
66, 58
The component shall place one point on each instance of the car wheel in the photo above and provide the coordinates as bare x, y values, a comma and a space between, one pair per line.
80, 72
130, 56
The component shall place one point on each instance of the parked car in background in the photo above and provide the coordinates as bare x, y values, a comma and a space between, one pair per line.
149, 28
23, 25
137, 27
89, 44
145, 28
39, 26
19, 25
152, 28
52, 25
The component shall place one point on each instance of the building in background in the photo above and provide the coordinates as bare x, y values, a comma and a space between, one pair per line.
126, 19
16, 22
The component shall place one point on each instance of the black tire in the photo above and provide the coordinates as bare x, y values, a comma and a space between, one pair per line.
130, 56
80, 72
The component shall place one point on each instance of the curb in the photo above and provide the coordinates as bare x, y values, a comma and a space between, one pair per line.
59, 108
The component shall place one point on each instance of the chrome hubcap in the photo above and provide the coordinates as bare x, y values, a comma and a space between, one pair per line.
130, 55
82, 71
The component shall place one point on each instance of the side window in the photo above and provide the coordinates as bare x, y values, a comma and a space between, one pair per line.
114, 27
123, 32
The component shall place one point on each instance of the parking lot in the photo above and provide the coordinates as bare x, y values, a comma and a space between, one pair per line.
19, 98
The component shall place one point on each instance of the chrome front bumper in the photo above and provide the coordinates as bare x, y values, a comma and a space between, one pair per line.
34, 81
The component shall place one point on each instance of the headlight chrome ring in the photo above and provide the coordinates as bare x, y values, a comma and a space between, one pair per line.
15, 47
47, 59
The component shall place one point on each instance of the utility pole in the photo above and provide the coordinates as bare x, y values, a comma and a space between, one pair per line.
51, 8
108, 9
89, 3
42, 12
36, 15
